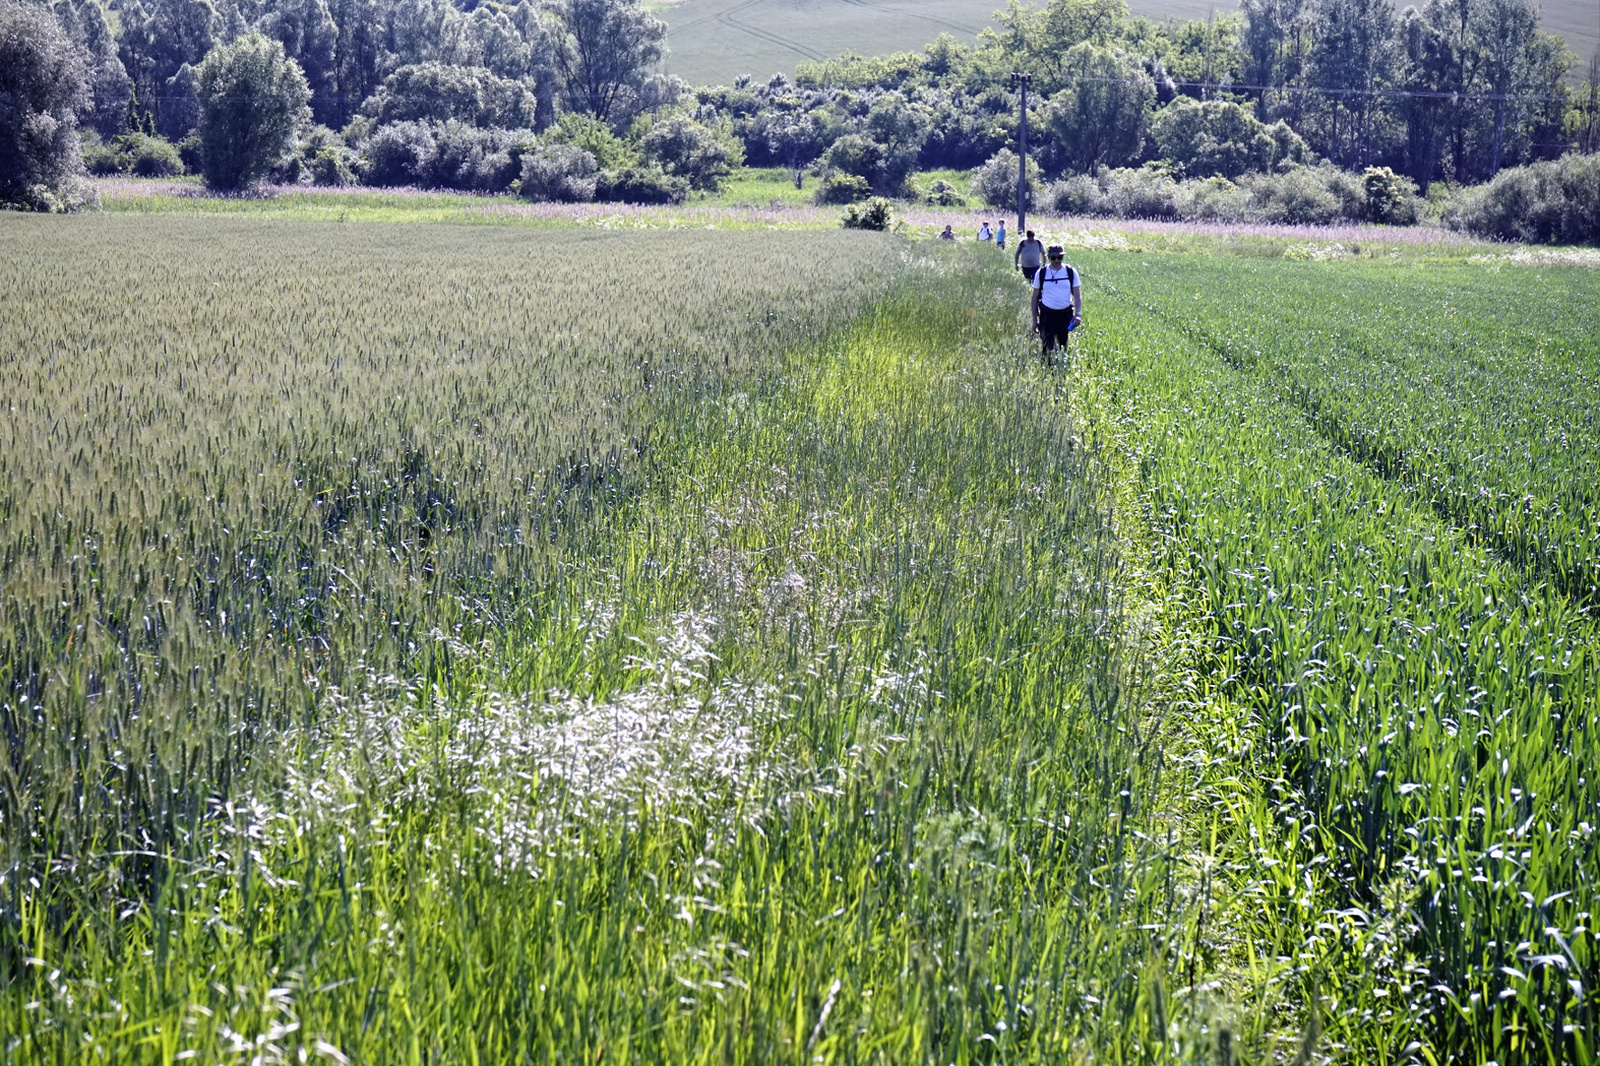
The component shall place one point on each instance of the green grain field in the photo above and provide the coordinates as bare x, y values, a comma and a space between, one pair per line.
713, 42
427, 643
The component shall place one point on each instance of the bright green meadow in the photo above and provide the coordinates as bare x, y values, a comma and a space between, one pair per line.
428, 643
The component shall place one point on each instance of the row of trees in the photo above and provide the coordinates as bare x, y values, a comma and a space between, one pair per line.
440, 93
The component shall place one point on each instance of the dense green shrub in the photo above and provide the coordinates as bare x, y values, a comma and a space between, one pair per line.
400, 153
149, 156
840, 188
875, 214
1307, 195
1390, 197
691, 150
995, 183
331, 166
857, 155
942, 194
450, 155
1550, 203
559, 172
189, 153
253, 100
99, 158
595, 137
1216, 199
144, 155
43, 89
640, 185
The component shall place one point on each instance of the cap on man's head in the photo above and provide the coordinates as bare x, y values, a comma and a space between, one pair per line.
1053, 251
1030, 233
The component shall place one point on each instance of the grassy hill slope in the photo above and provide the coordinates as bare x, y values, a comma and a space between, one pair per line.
714, 41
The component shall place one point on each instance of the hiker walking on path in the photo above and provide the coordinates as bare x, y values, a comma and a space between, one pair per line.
1057, 304
1000, 236
984, 233
1029, 256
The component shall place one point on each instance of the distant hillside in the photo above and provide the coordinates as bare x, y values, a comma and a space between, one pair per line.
714, 41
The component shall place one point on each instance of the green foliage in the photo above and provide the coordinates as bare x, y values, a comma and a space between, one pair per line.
439, 92
856, 155
604, 50
995, 183
842, 189
595, 137
875, 214
331, 166
141, 154
561, 172
941, 193
43, 88
701, 155
252, 105
1223, 139
162, 43
1550, 202
640, 185
1390, 197
1100, 120
851, 70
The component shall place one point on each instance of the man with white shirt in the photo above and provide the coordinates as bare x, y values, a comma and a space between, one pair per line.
1057, 303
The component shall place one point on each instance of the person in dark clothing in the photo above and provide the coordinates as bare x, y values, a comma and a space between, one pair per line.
1057, 303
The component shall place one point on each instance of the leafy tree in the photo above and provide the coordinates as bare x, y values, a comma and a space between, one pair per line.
995, 183
1503, 29
310, 37
253, 100
109, 84
1354, 51
1277, 47
693, 151
1586, 115
439, 92
1428, 70
1101, 119
43, 88
857, 155
595, 137
794, 138
1041, 40
157, 43
902, 128
1222, 138
357, 54
605, 49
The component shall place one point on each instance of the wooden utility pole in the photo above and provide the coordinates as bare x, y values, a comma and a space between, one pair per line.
1021, 81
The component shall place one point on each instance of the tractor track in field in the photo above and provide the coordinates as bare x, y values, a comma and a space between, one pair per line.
937, 21
729, 19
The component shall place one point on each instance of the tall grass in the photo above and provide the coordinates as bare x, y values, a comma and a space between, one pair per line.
757, 692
